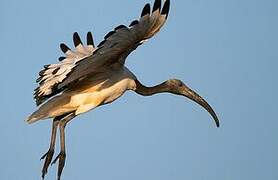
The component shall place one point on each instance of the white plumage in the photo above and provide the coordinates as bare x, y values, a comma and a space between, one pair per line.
93, 91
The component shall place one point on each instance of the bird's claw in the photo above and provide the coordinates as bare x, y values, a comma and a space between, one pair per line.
62, 158
48, 157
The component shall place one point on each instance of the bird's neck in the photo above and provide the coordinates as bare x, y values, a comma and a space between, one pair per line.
148, 91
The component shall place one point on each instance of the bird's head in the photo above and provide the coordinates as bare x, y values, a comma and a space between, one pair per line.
176, 86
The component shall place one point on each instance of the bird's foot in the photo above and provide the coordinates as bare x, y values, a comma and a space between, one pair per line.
48, 157
62, 158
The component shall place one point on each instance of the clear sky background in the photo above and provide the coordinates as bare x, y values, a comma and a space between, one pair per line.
225, 50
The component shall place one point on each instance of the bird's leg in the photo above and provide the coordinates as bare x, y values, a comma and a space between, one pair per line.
62, 155
49, 154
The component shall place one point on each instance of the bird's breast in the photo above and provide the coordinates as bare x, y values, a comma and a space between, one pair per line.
106, 93
103, 88
116, 90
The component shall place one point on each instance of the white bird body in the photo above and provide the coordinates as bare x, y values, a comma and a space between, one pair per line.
88, 77
94, 91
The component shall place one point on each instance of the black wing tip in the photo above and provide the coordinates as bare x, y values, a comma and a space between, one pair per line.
41, 73
76, 39
166, 8
146, 10
157, 5
39, 99
37, 88
134, 23
55, 70
38, 102
90, 40
61, 58
120, 27
101, 43
109, 34
64, 47
39, 79
46, 66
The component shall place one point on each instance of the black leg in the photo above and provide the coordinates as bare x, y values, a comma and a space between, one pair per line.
49, 154
62, 154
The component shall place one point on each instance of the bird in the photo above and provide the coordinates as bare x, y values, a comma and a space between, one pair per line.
90, 76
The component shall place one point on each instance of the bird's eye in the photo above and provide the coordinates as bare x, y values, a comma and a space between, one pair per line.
179, 83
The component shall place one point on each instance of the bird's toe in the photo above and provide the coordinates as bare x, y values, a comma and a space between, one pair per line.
62, 158
48, 157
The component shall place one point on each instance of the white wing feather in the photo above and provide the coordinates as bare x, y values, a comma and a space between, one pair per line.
55, 73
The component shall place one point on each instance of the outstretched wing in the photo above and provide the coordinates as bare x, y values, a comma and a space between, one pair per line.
115, 47
54, 74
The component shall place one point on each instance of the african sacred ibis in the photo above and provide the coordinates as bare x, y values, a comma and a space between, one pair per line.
90, 76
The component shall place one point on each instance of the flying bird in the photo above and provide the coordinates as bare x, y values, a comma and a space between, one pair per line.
90, 76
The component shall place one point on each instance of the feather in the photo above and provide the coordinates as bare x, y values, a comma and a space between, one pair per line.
90, 40
61, 58
157, 5
109, 34
120, 27
76, 39
64, 48
166, 8
146, 10
134, 23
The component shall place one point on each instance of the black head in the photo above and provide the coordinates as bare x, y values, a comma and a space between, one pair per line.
176, 86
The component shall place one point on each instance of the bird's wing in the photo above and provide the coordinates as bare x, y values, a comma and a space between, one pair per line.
115, 47
53, 74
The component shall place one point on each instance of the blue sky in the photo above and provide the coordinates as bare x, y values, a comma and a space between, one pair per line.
225, 50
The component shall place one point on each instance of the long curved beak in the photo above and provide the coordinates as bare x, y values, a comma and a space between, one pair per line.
189, 93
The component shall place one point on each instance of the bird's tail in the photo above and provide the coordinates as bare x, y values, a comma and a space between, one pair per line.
43, 112
52, 108
35, 116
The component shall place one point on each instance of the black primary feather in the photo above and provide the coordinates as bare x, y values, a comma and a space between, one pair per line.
55, 70
146, 10
39, 79
41, 73
157, 5
166, 8
64, 47
109, 34
76, 39
41, 82
90, 40
61, 58
120, 27
133, 23
101, 43
36, 89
